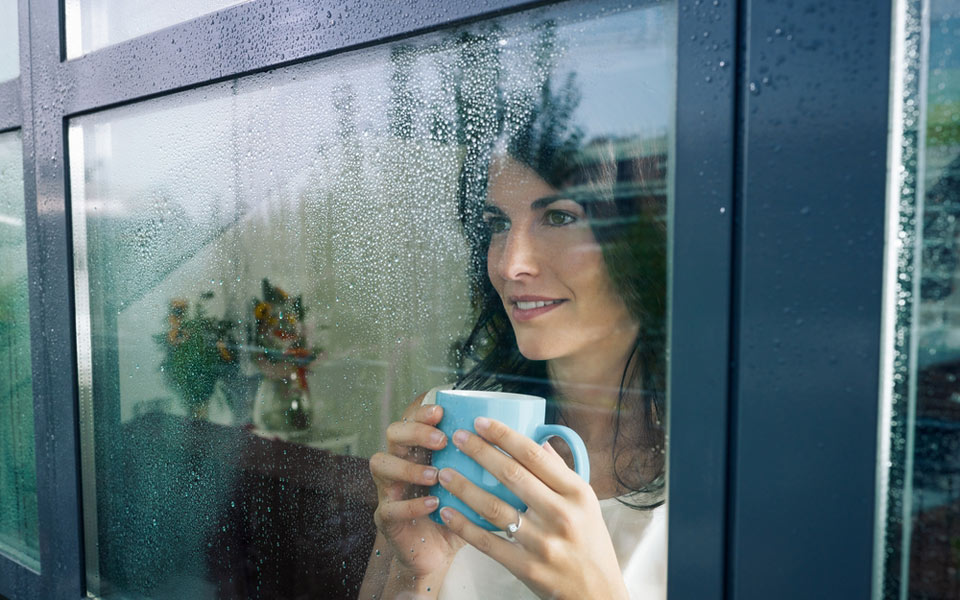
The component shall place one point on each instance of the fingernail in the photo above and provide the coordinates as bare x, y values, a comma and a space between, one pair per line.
432, 410
446, 476
430, 473
436, 438
431, 501
446, 513
481, 423
459, 437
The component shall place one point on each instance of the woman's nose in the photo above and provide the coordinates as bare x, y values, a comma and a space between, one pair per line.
519, 256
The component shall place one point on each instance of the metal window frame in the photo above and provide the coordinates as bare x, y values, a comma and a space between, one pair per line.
743, 191
809, 251
701, 267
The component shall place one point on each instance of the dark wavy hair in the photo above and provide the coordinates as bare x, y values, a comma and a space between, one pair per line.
620, 185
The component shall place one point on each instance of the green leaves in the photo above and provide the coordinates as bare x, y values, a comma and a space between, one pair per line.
198, 352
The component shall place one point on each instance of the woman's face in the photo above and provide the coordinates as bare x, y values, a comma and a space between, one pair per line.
548, 268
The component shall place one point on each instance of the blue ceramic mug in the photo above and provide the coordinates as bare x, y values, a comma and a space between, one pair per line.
518, 411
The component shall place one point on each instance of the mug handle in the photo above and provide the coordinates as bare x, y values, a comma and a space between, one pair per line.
581, 461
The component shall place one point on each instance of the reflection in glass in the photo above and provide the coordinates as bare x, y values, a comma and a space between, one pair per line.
18, 475
919, 551
270, 269
95, 24
9, 40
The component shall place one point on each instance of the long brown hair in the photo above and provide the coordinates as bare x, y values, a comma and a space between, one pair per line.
620, 186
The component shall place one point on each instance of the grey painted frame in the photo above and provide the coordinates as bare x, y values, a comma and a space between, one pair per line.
51, 90
700, 268
49, 270
807, 298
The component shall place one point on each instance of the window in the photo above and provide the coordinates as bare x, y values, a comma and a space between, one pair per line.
9, 41
95, 24
270, 269
918, 551
18, 479
175, 158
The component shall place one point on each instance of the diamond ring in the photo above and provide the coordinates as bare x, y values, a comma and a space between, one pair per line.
513, 528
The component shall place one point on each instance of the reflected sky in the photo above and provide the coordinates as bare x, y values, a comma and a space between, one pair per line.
624, 66
9, 40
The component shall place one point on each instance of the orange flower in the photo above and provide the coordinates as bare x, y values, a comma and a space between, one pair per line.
174, 337
262, 311
224, 351
178, 306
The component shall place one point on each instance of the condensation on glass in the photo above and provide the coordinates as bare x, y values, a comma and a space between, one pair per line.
268, 270
918, 543
9, 40
95, 24
18, 474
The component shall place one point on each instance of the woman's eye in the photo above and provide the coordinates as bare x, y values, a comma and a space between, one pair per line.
497, 224
557, 218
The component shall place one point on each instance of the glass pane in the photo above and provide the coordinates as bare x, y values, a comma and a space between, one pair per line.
18, 474
919, 551
270, 270
94, 24
9, 40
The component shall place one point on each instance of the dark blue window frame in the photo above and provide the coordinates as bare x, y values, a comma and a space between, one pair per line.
807, 298
779, 172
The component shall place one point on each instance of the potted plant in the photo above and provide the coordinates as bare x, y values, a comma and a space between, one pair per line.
198, 351
282, 353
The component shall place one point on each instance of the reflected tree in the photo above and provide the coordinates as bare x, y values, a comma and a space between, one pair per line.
18, 488
941, 227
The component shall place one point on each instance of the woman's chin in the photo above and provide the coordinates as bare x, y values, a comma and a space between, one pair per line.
535, 351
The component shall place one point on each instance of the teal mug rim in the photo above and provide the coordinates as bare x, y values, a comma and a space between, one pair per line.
489, 395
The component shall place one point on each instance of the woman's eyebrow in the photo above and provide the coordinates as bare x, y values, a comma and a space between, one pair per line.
537, 204
546, 201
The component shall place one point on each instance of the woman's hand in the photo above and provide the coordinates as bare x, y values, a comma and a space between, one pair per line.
562, 548
422, 549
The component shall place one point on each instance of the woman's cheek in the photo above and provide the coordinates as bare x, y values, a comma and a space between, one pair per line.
583, 259
493, 262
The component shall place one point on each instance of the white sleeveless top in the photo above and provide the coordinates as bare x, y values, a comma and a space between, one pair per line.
639, 540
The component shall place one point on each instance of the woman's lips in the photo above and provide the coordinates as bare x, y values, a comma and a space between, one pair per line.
525, 314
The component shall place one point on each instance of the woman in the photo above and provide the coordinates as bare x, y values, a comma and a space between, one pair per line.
570, 279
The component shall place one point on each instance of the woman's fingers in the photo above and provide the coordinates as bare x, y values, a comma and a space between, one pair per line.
423, 413
418, 432
429, 414
505, 552
389, 514
532, 490
493, 509
387, 469
411, 434
407, 457
531, 455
